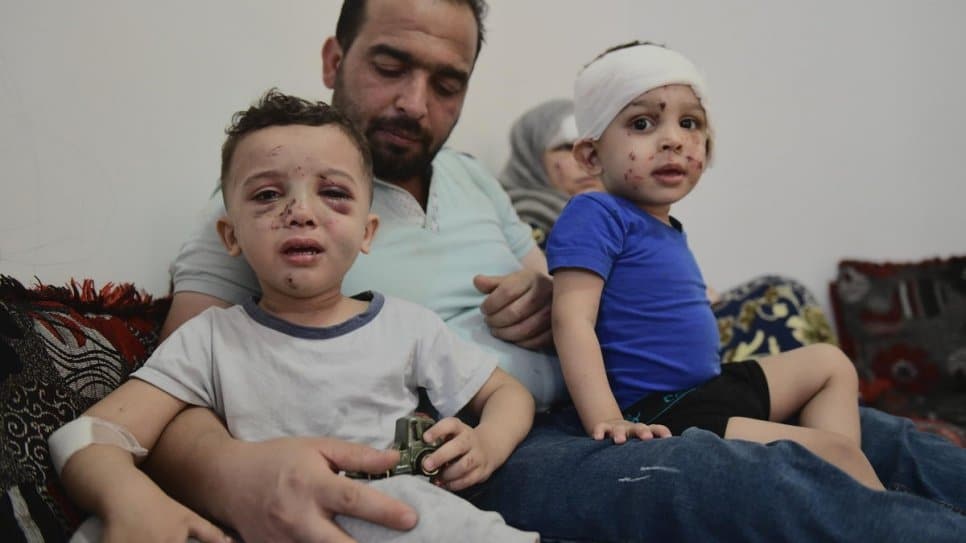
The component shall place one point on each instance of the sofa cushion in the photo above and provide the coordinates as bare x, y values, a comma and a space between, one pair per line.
768, 315
61, 349
904, 326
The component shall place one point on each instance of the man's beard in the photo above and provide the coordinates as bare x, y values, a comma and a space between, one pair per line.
390, 162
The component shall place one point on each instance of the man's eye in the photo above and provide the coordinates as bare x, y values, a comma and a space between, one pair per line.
266, 196
448, 87
641, 124
690, 124
388, 70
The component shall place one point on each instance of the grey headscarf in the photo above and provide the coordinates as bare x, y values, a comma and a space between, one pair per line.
524, 177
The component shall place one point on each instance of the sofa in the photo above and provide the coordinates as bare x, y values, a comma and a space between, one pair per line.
64, 347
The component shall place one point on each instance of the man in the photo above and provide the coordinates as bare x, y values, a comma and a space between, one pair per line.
400, 69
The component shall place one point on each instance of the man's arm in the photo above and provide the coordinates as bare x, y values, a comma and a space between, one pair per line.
517, 307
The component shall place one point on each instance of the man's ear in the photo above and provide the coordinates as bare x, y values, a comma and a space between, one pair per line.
226, 231
372, 224
585, 153
331, 59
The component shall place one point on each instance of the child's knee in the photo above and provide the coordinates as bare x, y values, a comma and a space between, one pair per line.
836, 363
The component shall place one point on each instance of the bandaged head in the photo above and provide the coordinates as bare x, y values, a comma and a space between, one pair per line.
605, 86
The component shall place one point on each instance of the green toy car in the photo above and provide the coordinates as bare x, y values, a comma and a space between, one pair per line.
412, 449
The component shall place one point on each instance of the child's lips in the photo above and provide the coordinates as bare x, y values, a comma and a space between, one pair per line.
301, 250
669, 173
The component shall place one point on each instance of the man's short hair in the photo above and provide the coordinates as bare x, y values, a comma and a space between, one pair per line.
354, 11
277, 109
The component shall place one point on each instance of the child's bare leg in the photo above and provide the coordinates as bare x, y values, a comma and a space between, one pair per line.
818, 382
834, 448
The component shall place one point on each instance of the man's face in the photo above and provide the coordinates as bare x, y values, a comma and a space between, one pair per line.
403, 80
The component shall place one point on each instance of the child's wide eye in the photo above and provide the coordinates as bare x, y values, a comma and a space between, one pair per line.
690, 124
641, 123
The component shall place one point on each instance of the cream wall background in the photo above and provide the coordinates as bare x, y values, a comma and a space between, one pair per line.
840, 122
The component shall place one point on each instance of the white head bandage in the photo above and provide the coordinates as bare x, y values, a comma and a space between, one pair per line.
611, 82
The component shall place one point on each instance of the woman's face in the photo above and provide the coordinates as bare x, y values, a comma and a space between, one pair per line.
566, 175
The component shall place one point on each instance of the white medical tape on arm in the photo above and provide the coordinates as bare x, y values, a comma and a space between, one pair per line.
84, 431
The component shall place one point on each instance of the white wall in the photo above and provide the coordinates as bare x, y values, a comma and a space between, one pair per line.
840, 123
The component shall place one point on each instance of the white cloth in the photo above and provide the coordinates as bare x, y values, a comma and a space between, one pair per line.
611, 82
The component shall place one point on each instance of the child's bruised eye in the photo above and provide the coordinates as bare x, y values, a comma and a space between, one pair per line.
335, 193
267, 195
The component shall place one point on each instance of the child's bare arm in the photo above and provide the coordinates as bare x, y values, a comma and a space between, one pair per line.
103, 478
576, 299
505, 408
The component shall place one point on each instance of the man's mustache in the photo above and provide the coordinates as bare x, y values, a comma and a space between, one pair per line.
402, 125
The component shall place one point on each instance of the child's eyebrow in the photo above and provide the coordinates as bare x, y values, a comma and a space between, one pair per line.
652, 104
276, 175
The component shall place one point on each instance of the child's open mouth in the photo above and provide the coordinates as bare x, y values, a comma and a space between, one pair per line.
669, 174
301, 250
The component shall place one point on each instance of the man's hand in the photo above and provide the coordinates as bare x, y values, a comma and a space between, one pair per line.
517, 308
289, 489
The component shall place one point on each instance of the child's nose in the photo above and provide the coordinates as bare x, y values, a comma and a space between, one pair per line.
300, 214
672, 140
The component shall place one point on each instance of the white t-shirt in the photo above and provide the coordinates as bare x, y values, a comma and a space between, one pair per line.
270, 378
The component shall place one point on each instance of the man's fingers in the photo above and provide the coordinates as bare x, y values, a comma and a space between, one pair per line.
486, 283
206, 532
356, 457
520, 324
352, 498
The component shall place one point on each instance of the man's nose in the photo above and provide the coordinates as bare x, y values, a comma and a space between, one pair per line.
413, 96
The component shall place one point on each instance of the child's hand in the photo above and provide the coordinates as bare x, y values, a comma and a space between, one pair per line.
620, 430
143, 512
464, 459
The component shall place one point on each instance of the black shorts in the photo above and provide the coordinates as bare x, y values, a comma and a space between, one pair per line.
740, 391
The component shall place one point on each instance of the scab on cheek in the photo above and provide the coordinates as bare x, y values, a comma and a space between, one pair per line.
283, 215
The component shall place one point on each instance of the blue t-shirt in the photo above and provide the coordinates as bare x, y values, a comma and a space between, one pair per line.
655, 324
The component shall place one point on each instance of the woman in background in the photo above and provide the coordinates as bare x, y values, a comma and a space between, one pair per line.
541, 174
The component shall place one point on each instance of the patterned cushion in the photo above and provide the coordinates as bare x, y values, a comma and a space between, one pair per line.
768, 315
61, 349
904, 326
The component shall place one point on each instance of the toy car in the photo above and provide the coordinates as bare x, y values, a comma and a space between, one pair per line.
412, 449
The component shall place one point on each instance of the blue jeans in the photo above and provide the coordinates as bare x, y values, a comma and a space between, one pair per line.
698, 487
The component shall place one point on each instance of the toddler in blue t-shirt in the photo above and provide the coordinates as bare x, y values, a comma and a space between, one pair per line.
637, 339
